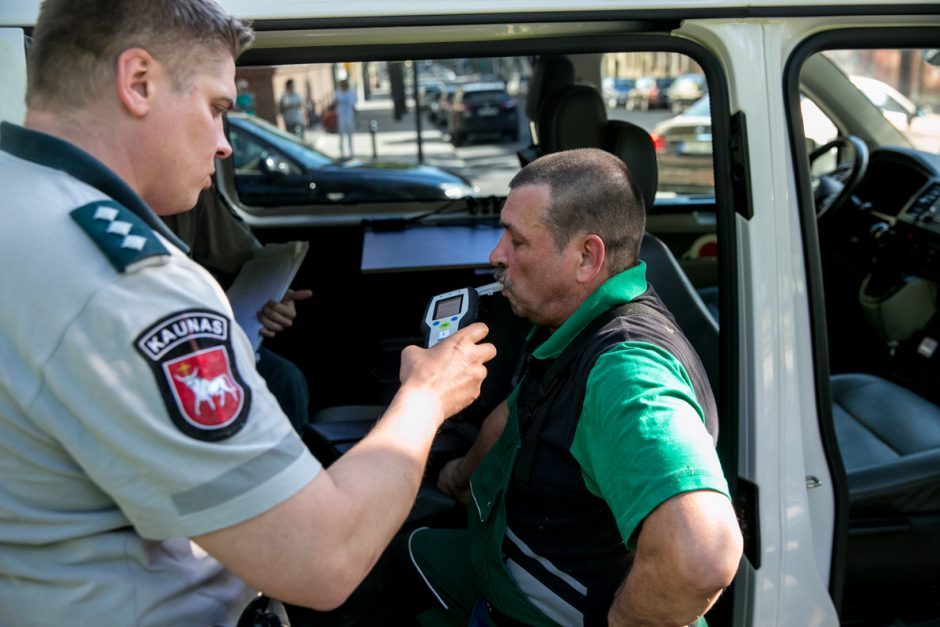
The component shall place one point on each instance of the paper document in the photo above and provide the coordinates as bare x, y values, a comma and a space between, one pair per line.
266, 276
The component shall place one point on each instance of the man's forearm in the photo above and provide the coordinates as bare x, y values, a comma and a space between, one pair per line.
688, 550
646, 598
455, 476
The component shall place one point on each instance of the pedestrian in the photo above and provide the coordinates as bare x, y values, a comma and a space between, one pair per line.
245, 100
346, 116
292, 110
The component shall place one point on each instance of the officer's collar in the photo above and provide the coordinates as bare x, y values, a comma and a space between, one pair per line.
58, 154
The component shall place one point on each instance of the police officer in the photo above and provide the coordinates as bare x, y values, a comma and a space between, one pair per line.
131, 416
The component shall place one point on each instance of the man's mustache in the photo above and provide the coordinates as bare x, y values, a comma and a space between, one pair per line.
500, 275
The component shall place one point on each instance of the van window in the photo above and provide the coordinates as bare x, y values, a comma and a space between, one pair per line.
443, 131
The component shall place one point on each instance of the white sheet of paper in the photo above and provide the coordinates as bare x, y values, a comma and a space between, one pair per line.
266, 276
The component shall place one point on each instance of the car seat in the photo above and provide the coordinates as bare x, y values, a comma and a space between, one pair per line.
550, 74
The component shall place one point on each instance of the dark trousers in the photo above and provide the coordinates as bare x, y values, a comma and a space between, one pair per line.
287, 384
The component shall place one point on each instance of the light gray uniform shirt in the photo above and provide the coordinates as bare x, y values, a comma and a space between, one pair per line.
131, 415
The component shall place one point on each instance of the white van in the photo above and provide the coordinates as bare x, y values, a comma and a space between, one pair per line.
818, 258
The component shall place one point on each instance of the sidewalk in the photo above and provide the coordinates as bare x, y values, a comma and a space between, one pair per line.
395, 140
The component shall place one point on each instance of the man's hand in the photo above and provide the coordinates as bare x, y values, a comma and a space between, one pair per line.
455, 475
452, 371
275, 317
454, 480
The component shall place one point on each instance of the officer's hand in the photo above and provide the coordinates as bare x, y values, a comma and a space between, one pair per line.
275, 317
453, 480
452, 371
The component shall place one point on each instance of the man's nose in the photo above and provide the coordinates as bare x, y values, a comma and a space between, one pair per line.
223, 149
497, 255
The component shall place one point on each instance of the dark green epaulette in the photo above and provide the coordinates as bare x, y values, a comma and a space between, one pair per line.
122, 236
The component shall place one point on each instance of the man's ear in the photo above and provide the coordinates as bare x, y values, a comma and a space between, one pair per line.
593, 254
135, 74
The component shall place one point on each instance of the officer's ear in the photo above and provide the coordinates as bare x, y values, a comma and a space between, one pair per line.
592, 255
135, 73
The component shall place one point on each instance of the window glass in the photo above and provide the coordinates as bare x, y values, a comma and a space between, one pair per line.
667, 94
463, 141
901, 85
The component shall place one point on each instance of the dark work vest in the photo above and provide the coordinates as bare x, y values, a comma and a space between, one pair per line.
548, 505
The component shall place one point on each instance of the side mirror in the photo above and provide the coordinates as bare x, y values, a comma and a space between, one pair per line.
274, 166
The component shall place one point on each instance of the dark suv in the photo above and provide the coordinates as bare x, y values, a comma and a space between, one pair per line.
482, 109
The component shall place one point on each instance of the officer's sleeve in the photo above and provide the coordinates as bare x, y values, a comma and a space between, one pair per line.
641, 439
163, 408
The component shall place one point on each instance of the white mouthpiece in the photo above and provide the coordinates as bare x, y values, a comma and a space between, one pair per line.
491, 288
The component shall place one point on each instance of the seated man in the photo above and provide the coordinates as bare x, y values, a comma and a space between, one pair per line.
595, 492
221, 243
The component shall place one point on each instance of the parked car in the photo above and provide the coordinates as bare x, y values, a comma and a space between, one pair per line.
649, 93
483, 109
684, 151
684, 147
428, 92
894, 105
685, 90
274, 168
440, 104
616, 91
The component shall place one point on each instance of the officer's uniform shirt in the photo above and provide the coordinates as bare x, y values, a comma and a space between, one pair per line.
131, 415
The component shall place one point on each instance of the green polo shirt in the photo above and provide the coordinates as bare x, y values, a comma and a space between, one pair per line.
641, 438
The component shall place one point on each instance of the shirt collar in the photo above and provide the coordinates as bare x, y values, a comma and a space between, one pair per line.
617, 290
58, 154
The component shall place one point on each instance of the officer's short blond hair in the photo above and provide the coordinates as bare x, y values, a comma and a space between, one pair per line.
76, 45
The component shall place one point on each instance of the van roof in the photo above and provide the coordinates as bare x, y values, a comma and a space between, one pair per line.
24, 12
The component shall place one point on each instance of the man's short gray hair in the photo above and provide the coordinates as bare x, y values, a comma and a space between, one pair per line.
76, 44
591, 192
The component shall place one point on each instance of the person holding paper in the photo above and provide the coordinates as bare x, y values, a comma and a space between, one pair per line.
221, 243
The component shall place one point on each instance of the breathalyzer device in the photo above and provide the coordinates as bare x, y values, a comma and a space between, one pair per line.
449, 312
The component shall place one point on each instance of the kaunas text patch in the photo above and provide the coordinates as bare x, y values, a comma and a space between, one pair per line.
191, 356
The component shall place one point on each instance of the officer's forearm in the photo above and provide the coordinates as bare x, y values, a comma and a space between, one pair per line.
315, 548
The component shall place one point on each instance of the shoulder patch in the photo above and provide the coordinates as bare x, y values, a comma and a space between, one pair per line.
190, 353
122, 236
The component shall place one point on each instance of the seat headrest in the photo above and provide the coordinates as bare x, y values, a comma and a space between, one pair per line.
549, 74
634, 145
572, 118
576, 118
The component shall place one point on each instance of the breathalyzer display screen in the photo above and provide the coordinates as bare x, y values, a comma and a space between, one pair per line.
448, 307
